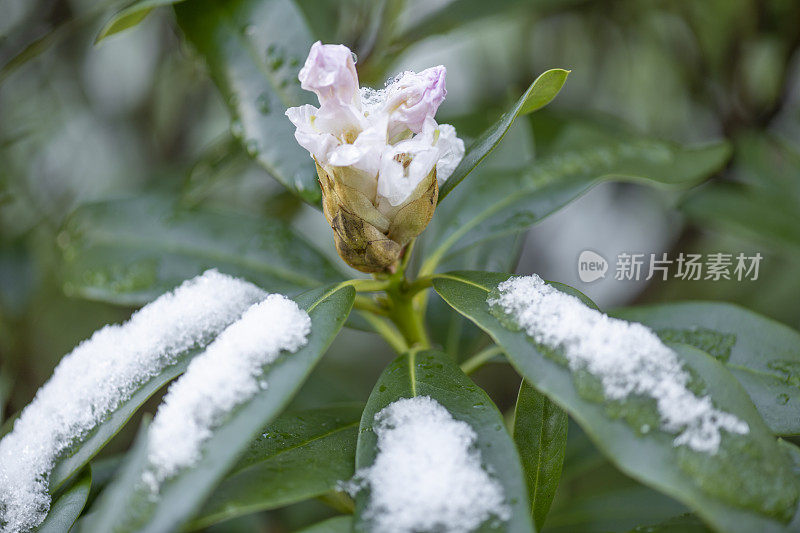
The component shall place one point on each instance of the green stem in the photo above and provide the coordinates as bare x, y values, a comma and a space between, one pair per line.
365, 304
407, 319
481, 358
419, 284
385, 329
367, 285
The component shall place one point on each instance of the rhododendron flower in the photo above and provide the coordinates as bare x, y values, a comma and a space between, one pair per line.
380, 154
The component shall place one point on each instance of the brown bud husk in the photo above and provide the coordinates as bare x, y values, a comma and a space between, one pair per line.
369, 239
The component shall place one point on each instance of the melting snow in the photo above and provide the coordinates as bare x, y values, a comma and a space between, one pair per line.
98, 376
427, 475
227, 374
628, 358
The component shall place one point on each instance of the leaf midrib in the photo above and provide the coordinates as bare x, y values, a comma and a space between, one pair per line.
236, 472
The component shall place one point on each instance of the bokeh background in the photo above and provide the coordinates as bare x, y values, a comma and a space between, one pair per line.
139, 114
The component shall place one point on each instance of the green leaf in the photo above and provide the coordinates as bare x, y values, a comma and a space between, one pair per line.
757, 216
538, 95
128, 505
130, 251
298, 456
687, 523
67, 507
794, 453
254, 50
86, 449
540, 432
457, 13
500, 202
130, 16
744, 487
764, 355
431, 373
339, 524
762, 206
5, 392
615, 509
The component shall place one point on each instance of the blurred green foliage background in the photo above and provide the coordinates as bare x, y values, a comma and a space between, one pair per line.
138, 114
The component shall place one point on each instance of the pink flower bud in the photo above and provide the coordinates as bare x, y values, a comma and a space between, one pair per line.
330, 72
413, 98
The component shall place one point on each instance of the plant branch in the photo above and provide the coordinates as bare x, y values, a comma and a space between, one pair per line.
365, 304
481, 358
368, 285
407, 319
385, 329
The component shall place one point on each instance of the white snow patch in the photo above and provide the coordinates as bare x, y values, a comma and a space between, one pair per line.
227, 374
628, 358
427, 475
98, 376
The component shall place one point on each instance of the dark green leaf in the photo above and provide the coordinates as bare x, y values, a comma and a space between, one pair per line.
254, 50
339, 524
762, 354
130, 251
616, 509
744, 487
794, 453
128, 506
758, 216
431, 373
538, 95
499, 202
687, 523
460, 337
85, 450
298, 456
5, 392
540, 432
131, 16
451, 15
67, 507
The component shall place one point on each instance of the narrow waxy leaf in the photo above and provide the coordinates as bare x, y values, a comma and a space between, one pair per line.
66, 509
254, 50
538, 95
298, 456
97, 387
434, 374
757, 216
339, 524
577, 157
680, 524
540, 432
130, 251
764, 355
131, 16
96, 441
129, 504
743, 487
763, 206
611, 509
5, 392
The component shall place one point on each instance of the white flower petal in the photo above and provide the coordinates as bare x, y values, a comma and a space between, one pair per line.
451, 152
365, 152
403, 167
318, 143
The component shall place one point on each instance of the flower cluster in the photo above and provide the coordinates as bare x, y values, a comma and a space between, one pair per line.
380, 154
